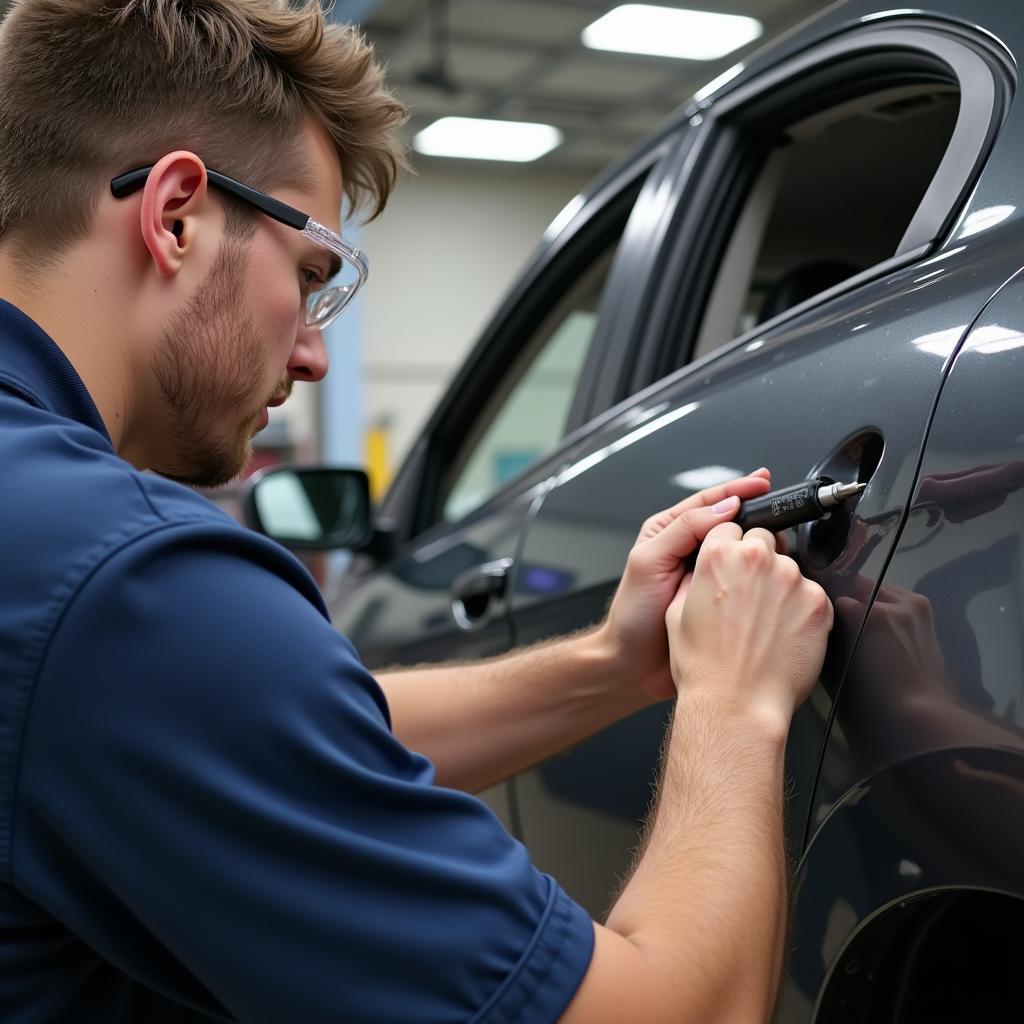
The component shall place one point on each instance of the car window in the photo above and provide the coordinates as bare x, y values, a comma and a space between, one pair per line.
835, 196
526, 417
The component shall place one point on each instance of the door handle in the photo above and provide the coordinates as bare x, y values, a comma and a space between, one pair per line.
820, 543
475, 591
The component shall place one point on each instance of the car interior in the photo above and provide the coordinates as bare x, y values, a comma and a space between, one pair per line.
834, 198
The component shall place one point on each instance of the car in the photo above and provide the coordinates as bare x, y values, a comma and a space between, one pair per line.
816, 266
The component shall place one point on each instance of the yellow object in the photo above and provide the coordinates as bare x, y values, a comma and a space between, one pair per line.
375, 444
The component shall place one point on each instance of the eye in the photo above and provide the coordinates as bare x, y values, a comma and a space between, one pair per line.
311, 280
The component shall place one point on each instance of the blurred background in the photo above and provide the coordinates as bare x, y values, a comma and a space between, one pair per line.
456, 233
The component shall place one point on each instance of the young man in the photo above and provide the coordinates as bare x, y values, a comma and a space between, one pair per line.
208, 809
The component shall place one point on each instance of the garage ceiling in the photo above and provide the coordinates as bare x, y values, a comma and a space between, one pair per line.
524, 60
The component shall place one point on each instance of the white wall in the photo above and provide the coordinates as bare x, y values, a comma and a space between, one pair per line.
450, 244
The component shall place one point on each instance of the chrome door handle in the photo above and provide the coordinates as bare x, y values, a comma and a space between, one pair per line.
475, 591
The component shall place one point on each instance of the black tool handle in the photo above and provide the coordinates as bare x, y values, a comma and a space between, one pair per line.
779, 510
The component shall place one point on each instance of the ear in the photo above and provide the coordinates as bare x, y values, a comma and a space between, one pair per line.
174, 193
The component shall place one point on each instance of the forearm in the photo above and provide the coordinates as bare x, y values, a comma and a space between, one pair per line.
482, 722
697, 934
706, 905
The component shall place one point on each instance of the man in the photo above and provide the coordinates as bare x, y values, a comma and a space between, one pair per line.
208, 809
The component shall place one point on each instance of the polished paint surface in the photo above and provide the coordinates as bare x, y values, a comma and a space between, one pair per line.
869, 365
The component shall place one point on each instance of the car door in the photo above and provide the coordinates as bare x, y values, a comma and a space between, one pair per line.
830, 372
458, 503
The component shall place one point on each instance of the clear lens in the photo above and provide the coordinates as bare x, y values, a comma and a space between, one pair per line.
325, 306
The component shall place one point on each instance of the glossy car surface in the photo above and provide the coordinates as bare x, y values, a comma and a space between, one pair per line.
817, 266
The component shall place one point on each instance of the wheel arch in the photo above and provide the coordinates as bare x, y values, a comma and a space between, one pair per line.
915, 878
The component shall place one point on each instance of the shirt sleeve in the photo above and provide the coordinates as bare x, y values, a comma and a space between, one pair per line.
211, 798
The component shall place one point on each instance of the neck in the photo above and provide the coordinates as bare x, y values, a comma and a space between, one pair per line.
87, 324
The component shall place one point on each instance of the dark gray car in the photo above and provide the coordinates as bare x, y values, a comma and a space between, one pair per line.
816, 267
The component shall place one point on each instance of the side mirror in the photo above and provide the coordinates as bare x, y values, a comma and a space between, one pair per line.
312, 509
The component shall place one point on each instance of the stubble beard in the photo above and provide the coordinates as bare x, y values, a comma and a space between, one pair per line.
211, 361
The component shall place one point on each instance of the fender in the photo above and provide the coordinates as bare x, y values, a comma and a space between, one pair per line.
897, 847
911, 888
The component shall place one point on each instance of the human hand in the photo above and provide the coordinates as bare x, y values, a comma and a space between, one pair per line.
748, 629
634, 630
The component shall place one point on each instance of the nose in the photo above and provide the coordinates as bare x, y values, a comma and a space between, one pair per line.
309, 355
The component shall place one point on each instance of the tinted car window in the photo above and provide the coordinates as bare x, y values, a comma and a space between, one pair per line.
526, 418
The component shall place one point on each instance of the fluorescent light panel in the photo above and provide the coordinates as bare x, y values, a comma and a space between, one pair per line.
473, 138
671, 32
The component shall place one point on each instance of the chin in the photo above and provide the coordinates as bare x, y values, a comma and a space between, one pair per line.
210, 467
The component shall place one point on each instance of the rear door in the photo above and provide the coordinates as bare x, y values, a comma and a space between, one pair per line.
817, 323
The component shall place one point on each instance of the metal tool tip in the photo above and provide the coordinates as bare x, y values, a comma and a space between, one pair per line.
849, 490
832, 494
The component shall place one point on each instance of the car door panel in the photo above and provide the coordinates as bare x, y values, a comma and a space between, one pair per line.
401, 613
792, 397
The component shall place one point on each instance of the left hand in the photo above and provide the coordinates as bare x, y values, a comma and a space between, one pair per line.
634, 630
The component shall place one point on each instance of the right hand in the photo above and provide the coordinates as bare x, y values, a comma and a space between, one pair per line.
747, 629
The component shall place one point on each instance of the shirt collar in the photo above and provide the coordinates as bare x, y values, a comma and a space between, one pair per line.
32, 365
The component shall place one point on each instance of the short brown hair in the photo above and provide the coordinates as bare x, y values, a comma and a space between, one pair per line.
92, 88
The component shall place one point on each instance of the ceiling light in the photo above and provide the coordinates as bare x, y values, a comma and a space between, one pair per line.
670, 32
474, 138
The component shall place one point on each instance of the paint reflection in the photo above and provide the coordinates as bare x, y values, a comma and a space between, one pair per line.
917, 683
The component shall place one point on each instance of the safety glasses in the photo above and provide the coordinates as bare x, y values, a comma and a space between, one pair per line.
327, 303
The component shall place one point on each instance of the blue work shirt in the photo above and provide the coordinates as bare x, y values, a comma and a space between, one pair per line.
204, 814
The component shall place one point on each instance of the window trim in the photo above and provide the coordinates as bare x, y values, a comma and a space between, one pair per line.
734, 134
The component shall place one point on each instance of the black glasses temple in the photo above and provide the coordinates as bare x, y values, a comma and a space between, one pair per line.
125, 184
